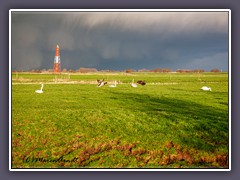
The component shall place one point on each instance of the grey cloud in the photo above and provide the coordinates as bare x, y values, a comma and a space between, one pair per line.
25, 51
110, 50
120, 40
63, 38
155, 22
218, 60
30, 59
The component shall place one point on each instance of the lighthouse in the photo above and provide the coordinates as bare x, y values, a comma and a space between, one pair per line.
57, 63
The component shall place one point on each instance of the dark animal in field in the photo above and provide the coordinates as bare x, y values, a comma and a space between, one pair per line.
101, 83
141, 82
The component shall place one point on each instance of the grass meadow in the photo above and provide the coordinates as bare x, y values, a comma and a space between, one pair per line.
168, 123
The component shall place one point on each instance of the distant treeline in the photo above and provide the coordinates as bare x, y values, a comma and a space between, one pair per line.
156, 70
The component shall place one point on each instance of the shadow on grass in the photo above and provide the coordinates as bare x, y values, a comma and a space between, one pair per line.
202, 127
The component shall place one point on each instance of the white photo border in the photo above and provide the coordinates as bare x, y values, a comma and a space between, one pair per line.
114, 10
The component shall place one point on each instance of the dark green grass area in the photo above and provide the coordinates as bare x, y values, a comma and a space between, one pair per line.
151, 126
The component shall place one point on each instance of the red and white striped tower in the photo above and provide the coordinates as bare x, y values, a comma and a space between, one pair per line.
57, 63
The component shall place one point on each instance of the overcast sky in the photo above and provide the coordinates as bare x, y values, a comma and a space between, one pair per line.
120, 40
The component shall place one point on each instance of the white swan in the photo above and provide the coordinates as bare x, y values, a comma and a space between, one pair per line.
113, 85
205, 88
40, 91
133, 84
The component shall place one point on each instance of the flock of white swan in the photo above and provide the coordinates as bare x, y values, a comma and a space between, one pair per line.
102, 83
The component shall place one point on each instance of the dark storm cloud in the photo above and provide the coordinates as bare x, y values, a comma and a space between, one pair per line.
120, 40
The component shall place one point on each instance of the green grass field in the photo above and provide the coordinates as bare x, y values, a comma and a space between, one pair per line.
168, 123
